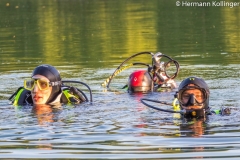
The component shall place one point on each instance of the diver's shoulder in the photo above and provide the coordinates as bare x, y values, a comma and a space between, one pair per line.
21, 97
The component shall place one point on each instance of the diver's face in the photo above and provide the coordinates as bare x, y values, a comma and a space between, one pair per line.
40, 96
192, 93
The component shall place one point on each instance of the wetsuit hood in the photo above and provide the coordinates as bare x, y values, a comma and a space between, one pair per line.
53, 75
198, 83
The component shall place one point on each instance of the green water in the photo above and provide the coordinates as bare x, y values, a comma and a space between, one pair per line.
86, 40
97, 33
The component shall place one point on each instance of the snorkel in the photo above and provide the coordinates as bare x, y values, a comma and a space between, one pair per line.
53, 75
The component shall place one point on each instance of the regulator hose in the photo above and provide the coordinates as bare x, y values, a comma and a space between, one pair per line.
114, 73
107, 81
160, 109
166, 65
90, 91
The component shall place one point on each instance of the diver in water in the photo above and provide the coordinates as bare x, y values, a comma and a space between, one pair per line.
46, 87
193, 97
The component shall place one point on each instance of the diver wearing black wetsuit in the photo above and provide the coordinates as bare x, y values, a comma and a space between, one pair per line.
46, 78
193, 96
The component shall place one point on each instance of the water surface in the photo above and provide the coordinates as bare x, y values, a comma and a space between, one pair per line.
86, 41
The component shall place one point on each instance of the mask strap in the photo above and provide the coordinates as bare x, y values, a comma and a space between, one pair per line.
55, 83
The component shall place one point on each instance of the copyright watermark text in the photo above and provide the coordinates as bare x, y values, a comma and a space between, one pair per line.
208, 4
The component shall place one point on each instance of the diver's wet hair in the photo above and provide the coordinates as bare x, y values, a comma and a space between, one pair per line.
53, 75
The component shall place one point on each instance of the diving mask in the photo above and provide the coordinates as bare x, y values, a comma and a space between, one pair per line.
192, 96
41, 83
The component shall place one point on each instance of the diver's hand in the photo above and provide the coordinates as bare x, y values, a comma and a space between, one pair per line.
76, 93
225, 111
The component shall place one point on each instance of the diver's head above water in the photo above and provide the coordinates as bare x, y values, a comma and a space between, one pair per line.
45, 84
193, 96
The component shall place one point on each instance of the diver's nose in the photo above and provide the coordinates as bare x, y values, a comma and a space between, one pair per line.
35, 88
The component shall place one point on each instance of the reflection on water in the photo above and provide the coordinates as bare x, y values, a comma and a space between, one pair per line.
195, 128
86, 41
46, 114
97, 33
117, 124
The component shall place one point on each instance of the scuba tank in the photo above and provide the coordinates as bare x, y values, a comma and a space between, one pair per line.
155, 77
140, 81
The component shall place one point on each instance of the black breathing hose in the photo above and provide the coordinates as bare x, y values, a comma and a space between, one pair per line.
159, 109
166, 65
90, 91
124, 63
177, 67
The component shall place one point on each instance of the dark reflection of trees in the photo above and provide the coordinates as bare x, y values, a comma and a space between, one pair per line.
204, 31
90, 31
